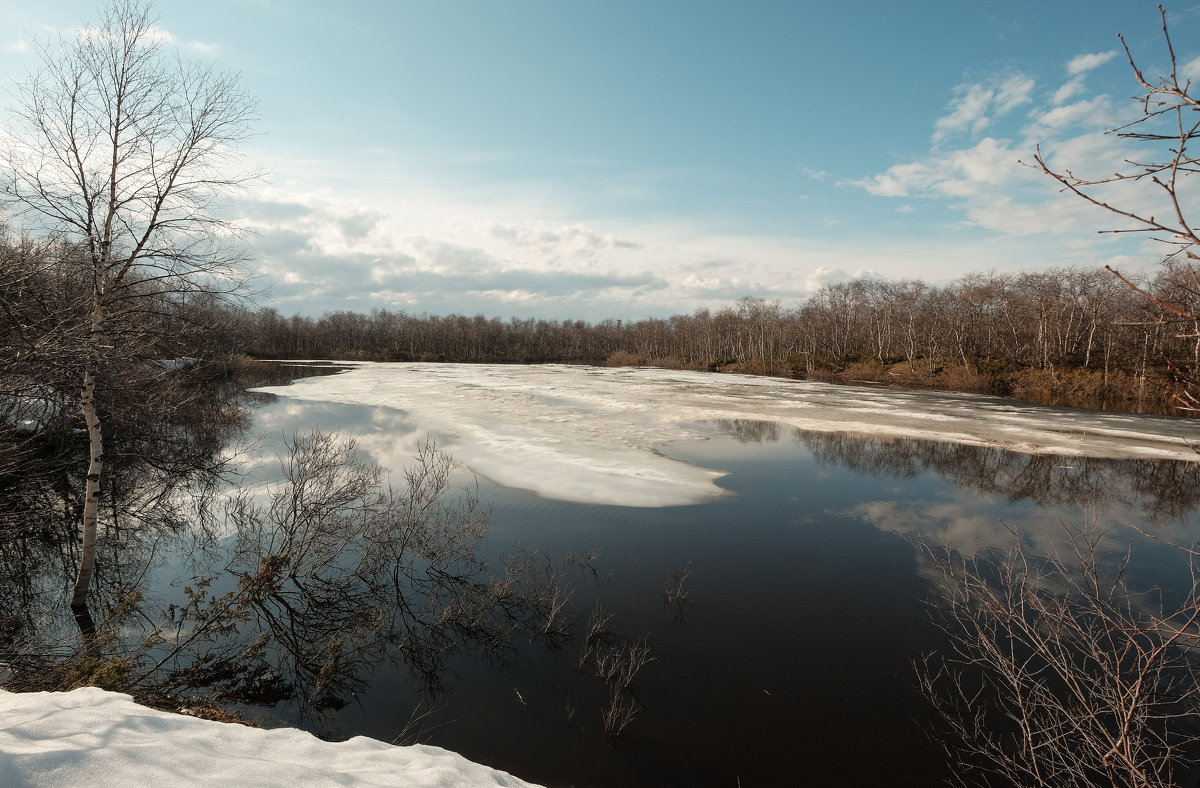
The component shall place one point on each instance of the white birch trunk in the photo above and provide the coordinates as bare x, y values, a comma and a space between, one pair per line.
91, 500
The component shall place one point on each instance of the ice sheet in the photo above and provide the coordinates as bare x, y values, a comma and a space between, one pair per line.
93, 737
591, 434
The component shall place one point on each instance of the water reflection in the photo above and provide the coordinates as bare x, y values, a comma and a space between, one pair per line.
1165, 490
1060, 583
334, 575
288, 584
162, 469
994, 490
750, 430
782, 620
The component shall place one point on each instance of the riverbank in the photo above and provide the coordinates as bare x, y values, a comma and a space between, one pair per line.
90, 736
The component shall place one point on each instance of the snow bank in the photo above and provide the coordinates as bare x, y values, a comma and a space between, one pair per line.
589, 434
98, 738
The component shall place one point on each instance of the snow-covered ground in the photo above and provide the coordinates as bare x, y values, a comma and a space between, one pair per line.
590, 434
90, 737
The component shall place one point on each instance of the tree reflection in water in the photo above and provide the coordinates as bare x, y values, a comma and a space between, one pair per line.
297, 593
166, 466
1167, 489
1073, 648
750, 430
305, 594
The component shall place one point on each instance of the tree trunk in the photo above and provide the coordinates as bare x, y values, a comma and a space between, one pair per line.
91, 500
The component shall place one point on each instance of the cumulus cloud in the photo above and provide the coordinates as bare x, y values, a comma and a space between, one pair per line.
825, 275
1072, 87
1084, 63
323, 251
269, 210
976, 105
984, 180
1094, 113
319, 249
970, 112
1012, 93
553, 241
359, 225
401, 248
519, 250
956, 173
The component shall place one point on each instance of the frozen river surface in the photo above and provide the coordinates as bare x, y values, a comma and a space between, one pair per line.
591, 434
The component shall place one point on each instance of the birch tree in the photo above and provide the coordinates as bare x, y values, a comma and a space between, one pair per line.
123, 150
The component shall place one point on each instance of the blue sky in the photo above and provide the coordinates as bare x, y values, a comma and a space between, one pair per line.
578, 159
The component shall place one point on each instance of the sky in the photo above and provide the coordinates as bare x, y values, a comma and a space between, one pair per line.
579, 159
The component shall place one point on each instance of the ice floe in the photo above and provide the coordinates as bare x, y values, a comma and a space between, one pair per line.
591, 434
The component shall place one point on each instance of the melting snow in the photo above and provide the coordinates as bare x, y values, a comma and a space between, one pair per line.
93, 737
590, 434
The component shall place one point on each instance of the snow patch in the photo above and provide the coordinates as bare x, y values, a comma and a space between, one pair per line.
93, 737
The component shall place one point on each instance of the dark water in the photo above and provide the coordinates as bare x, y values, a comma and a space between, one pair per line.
791, 662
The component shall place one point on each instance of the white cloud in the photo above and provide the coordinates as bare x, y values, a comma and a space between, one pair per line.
1070, 88
550, 242
152, 34
990, 163
1190, 70
986, 183
158, 35
1095, 113
976, 105
827, 275
816, 175
970, 112
1094, 154
991, 188
405, 250
403, 233
203, 48
957, 173
483, 262
1013, 92
1083, 63
900, 180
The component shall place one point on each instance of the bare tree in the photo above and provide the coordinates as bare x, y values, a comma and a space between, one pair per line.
122, 150
1167, 124
1061, 673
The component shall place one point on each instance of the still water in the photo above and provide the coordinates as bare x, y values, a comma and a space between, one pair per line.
790, 662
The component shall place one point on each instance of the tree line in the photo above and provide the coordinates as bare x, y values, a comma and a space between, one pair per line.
1074, 336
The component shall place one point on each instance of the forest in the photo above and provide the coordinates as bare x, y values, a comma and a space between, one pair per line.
1068, 336
1065, 336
